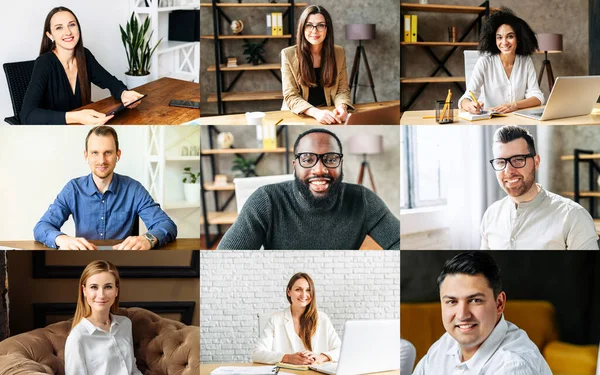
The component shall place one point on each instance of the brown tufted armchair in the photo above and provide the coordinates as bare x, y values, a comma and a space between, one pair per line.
162, 347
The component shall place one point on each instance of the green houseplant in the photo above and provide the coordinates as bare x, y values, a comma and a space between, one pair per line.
246, 167
254, 52
136, 41
191, 187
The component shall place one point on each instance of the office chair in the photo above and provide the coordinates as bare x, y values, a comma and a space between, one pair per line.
471, 58
244, 187
18, 75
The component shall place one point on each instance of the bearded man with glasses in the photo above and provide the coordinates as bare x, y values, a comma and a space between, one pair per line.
530, 217
316, 210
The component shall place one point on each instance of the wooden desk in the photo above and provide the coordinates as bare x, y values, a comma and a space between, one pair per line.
154, 109
289, 117
178, 244
205, 369
416, 118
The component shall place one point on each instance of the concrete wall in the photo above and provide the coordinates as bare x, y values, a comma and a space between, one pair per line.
383, 53
544, 16
236, 286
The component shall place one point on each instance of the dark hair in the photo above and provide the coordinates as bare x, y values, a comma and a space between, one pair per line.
328, 65
526, 41
103, 131
317, 130
82, 73
473, 263
509, 133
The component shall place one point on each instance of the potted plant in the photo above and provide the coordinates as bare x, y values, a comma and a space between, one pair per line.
136, 41
191, 186
246, 167
254, 52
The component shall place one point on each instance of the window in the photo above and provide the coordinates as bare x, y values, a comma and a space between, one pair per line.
422, 162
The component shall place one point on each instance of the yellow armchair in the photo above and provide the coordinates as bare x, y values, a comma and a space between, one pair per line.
421, 324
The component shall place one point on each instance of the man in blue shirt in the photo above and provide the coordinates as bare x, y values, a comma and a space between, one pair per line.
104, 205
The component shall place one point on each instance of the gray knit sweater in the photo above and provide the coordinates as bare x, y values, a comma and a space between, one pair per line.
277, 217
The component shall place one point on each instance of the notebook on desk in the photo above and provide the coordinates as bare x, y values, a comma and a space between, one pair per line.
484, 115
570, 96
367, 346
389, 115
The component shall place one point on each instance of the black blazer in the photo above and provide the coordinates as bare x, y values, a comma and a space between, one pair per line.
49, 96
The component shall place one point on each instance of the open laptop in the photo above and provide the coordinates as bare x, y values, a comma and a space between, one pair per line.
389, 115
368, 346
570, 96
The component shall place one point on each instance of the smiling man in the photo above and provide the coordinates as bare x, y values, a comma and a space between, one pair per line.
530, 217
104, 204
316, 210
478, 340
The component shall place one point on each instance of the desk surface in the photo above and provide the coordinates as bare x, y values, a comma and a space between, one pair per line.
154, 109
289, 117
416, 118
178, 244
205, 369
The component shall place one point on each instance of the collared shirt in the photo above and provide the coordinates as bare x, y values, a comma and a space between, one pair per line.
100, 216
90, 350
490, 84
507, 350
548, 222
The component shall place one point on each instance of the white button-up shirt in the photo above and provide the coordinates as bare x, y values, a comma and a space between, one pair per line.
548, 222
491, 86
507, 350
91, 351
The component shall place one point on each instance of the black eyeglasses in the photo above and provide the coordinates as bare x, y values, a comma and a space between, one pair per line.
329, 159
309, 27
517, 161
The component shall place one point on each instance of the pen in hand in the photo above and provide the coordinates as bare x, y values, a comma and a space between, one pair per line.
475, 101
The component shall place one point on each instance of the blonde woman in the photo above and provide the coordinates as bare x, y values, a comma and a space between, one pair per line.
99, 342
300, 334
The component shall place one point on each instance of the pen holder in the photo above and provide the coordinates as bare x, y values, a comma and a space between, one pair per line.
443, 112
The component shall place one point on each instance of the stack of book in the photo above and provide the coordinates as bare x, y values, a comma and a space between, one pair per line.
232, 62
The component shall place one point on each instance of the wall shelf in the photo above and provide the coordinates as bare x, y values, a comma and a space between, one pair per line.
241, 67
246, 96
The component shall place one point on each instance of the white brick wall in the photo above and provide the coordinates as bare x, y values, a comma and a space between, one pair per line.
235, 286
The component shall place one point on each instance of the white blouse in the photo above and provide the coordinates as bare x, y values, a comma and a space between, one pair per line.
279, 338
491, 86
91, 351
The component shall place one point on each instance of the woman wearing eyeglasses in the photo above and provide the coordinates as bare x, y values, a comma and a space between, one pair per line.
314, 72
300, 334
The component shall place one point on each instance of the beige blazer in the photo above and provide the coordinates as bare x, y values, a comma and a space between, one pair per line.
295, 95
279, 338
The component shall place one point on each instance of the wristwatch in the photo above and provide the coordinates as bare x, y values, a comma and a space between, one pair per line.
150, 237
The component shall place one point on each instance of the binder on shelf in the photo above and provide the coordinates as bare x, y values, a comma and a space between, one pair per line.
413, 27
269, 31
273, 23
407, 27
279, 23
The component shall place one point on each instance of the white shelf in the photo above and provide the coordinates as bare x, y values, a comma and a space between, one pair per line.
178, 205
173, 45
183, 158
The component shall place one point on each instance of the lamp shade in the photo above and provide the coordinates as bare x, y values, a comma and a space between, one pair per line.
365, 144
551, 43
360, 31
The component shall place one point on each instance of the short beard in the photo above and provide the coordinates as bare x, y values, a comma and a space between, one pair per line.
319, 202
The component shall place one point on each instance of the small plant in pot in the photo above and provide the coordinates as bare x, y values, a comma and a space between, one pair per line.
246, 167
191, 185
254, 52
136, 41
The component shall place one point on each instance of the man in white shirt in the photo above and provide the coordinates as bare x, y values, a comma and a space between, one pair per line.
478, 340
530, 217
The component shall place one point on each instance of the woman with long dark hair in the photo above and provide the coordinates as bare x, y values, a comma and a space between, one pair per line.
504, 78
299, 335
62, 77
314, 72
99, 342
